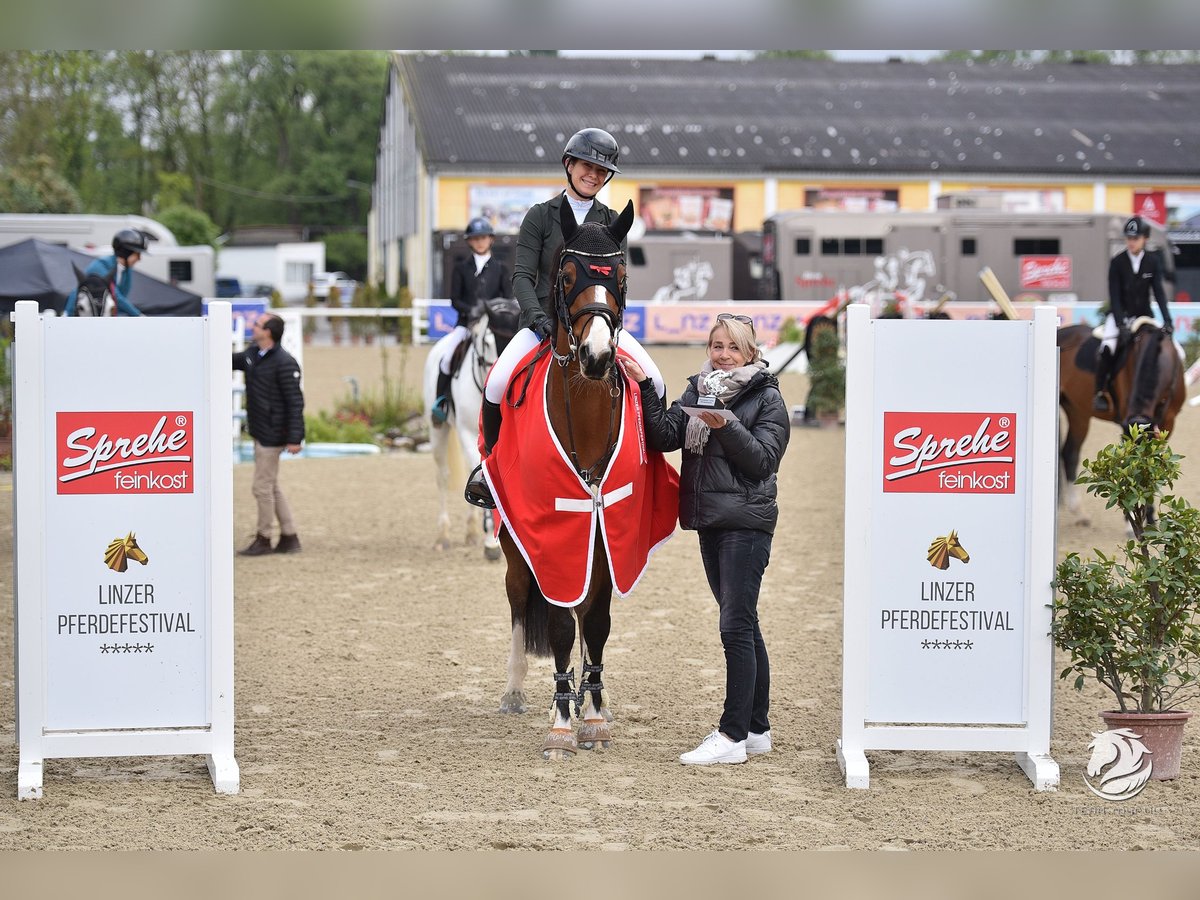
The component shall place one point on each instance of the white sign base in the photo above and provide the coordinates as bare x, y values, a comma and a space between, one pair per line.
123, 529
951, 474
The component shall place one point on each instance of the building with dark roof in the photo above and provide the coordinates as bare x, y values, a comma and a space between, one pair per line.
465, 135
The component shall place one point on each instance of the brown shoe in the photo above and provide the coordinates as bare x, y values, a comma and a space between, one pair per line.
288, 543
258, 547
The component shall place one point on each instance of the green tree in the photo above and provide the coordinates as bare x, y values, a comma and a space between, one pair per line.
36, 187
346, 251
190, 226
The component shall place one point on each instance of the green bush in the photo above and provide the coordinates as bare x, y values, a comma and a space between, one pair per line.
790, 332
826, 374
339, 428
1131, 619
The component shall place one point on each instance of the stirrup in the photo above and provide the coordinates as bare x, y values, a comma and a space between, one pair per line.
1100, 402
477, 492
439, 412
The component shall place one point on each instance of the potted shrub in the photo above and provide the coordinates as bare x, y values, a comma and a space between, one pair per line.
1129, 618
826, 376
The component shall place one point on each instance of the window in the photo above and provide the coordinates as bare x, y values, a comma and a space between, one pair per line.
874, 246
968, 246
803, 246
179, 270
852, 247
298, 272
1035, 247
830, 247
637, 256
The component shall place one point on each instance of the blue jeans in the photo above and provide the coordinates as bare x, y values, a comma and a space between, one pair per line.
734, 561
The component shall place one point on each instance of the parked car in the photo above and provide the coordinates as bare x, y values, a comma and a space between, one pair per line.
229, 286
323, 281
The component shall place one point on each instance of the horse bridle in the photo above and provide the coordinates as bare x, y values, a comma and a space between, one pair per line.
590, 272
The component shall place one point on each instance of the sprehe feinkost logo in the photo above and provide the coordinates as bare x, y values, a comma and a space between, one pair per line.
949, 453
124, 452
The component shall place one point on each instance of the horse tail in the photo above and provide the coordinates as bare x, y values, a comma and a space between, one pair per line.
537, 621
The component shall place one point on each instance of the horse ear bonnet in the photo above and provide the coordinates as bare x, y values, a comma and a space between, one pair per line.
592, 237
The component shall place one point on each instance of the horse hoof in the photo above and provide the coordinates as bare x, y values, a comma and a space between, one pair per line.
492, 553
442, 544
594, 732
560, 744
514, 702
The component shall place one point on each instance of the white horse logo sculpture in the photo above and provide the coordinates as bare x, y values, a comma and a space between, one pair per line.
467, 392
1127, 760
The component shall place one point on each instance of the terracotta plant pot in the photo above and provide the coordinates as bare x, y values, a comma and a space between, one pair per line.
1161, 732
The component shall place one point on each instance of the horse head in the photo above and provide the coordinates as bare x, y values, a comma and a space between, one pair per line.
1156, 367
589, 291
120, 551
941, 549
1122, 758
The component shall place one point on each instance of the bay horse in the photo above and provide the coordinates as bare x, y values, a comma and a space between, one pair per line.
466, 397
583, 401
1148, 389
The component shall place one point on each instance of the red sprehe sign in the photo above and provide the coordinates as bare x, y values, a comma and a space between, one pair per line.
949, 452
125, 452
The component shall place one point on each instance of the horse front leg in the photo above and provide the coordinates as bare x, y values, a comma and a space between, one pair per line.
1069, 457
513, 699
440, 447
560, 743
594, 731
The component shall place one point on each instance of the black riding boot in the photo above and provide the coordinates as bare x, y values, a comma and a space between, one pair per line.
477, 492
441, 403
1101, 402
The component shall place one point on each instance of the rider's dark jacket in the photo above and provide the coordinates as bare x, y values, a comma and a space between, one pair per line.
732, 484
1129, 291
540, 238
274, 401
467, 288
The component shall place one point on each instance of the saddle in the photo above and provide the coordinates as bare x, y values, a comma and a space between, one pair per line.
501, 315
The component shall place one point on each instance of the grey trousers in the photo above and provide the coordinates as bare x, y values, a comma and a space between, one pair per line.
271, 502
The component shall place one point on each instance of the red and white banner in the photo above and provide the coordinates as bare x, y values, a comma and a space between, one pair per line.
1151, 205
125, 452
949, 452
1046, 273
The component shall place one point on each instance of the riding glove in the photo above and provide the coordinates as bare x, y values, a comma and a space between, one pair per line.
542, 326
1168, 329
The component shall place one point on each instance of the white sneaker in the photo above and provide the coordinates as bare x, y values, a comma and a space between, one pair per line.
716, 748
758, 743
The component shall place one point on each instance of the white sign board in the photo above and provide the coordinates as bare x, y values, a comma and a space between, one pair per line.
950, 487
123, 511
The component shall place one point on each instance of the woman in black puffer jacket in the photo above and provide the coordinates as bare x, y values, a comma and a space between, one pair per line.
727, 494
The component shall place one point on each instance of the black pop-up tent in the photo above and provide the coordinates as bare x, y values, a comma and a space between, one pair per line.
48, 273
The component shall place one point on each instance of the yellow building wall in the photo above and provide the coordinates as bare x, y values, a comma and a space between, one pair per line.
1119, 198
1077, 197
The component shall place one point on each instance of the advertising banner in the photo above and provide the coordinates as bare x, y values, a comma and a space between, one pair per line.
123, 538
950, 475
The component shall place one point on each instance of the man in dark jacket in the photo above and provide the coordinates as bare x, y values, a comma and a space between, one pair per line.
1132, 275
275, 419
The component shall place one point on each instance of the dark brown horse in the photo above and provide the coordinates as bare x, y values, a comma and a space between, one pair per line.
1148, 389
584, 390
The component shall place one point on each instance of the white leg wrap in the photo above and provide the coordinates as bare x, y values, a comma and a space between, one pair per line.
497, 383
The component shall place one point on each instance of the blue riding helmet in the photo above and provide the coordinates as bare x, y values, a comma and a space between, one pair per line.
479, 226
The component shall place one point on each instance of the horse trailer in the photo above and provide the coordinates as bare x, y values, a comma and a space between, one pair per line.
921, 256
662, 267
190, 268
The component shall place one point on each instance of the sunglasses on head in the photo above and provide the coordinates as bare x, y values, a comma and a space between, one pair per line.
746, 320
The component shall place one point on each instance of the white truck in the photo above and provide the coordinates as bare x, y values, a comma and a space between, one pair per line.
191, 268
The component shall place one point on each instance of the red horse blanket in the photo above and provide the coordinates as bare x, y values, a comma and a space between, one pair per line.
553, 515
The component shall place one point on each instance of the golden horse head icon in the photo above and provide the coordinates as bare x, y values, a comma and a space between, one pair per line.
120, 551
943, 548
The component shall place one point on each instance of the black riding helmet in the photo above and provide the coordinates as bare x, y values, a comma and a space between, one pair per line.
1137, 227
478, 226
596, 146
128, 241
